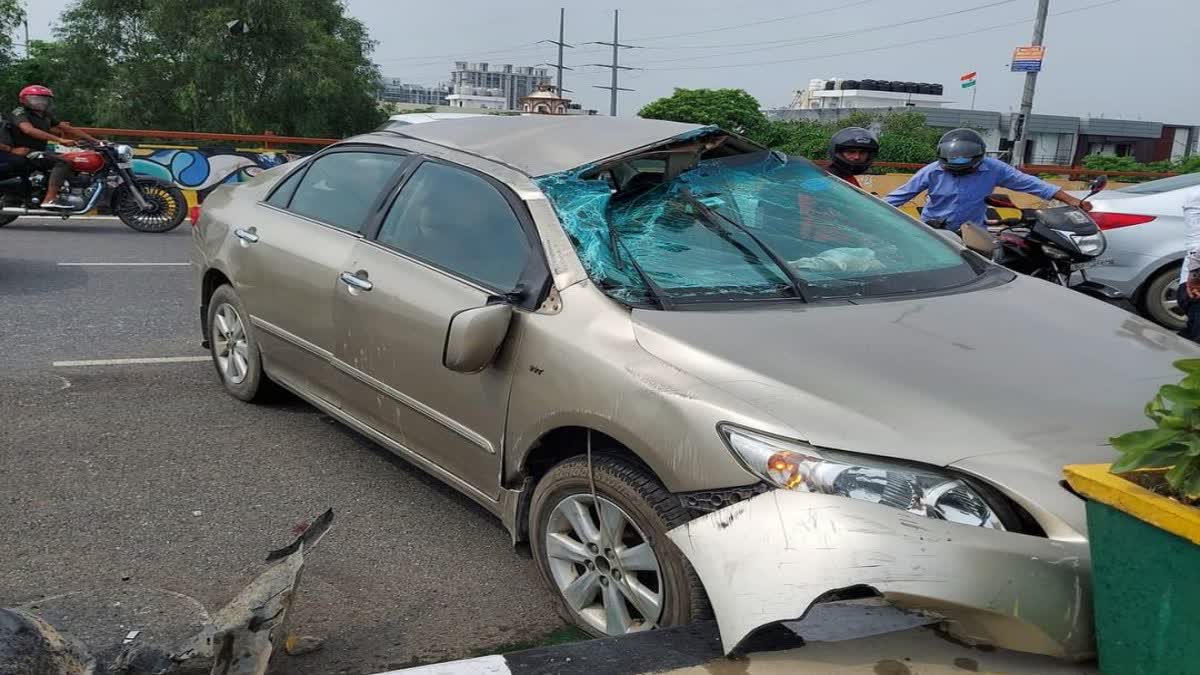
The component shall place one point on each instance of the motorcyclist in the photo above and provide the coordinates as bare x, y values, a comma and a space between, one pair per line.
851, 153
34, 126
963, 177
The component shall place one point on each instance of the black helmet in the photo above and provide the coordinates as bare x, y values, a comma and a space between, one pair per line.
961, 150
852, 138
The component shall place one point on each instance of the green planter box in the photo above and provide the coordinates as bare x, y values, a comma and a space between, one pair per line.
1145, 574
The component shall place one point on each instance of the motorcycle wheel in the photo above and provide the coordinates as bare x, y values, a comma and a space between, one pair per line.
5, 220
168, 207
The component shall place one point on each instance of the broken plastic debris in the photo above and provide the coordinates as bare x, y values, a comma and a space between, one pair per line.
240, 638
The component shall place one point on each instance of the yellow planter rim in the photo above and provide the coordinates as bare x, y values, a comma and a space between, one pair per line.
1096, 483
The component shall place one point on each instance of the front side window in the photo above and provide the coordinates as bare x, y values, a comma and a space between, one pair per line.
748, 227
339, 189
460, 222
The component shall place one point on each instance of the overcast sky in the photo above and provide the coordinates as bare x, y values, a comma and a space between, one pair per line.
1135, 59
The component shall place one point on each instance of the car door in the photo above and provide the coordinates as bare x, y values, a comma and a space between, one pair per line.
288, 259
452, 240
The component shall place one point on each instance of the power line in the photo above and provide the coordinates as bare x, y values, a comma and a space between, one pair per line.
831, 36
882, 47
719, 29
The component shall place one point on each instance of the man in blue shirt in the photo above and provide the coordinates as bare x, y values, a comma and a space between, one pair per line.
963, 177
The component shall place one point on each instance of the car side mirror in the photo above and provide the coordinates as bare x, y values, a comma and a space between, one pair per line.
1097, 184
475, 336
978, 240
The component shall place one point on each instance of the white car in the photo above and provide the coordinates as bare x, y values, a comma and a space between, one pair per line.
1144, 227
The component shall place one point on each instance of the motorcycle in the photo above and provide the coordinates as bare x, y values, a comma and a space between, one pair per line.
1055, 243
103, 178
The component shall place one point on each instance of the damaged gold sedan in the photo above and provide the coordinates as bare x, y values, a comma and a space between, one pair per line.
696, 375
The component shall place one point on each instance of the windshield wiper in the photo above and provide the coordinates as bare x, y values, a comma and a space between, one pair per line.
712, 219
656, 291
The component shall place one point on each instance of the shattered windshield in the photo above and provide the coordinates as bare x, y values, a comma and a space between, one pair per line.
747, 227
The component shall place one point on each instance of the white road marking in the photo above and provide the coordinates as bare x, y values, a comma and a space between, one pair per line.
123, 264
131, 362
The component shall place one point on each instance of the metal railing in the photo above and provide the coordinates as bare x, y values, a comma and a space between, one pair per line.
267, 140
263, 140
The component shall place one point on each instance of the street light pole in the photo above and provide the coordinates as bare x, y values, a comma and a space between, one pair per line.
1020, 136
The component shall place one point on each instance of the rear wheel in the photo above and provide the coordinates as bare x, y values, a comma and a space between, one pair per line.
1160, 302
5, 220
167, 207
234, 348
608, 559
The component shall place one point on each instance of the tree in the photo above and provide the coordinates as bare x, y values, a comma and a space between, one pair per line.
12, 14
731, 109
236, 66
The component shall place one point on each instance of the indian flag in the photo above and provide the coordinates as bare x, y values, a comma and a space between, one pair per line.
968, 80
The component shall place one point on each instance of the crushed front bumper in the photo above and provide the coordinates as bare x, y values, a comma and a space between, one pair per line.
770, 558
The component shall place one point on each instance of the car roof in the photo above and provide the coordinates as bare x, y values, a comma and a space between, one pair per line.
543, 144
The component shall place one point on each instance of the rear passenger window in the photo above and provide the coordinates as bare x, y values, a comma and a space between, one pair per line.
282, 195
459, 222
339, 189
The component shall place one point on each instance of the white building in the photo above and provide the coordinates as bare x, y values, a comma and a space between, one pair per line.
465, 96
842, 94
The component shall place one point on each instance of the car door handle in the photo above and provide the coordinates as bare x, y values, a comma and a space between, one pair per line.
247, 236
356, 282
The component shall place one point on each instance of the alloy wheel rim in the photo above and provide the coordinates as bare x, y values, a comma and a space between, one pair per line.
230, 345
603, 565
1170, 300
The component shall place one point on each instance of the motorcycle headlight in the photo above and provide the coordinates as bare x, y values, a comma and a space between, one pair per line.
124, 153
1089, 244
796, 466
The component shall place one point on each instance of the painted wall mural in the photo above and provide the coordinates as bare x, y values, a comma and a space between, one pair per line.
199, 171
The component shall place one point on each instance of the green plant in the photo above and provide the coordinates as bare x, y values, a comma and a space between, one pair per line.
1175, 440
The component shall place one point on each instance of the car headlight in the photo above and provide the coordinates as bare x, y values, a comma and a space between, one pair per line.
124, 153
925, 492
1089, 244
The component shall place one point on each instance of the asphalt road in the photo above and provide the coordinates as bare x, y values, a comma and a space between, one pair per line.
149, 476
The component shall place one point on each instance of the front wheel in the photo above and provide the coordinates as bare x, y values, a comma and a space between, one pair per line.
167, 207
5, 220
608, 559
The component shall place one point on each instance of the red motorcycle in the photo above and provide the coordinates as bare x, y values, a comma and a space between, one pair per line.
103, 179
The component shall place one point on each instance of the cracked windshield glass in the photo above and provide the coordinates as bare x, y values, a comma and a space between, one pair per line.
747, 227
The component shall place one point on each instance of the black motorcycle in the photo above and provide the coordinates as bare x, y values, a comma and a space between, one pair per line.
102, 179
1056, 244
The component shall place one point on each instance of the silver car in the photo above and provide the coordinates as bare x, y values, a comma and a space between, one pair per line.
1144, 227
698, 377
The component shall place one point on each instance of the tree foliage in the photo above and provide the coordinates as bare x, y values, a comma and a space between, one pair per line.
12, 14
731, 109
903, 137
1116, 165
298, 68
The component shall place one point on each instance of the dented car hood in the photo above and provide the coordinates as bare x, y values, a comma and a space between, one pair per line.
1022, 368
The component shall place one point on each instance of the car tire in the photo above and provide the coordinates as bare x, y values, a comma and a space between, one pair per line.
651, 510
234, 348
5, 220
1159, 290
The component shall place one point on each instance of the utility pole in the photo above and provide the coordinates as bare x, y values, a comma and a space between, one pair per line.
1019, 136
562, 19
26, 22
615, 65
